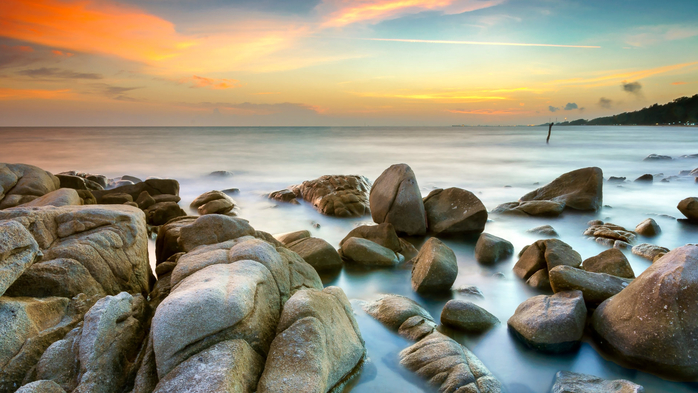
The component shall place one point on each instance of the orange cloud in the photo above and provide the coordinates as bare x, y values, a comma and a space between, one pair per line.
482, 43
92, 26
61, 53
267, 93
211, 83
28, 94
678, 83
489, 111
438, 97
614, 78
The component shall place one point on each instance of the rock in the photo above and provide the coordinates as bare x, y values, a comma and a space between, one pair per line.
290, 237
213, 202
611, 262
531, 208
166, 243
284, 195
144, 200
448, 365
86, 197
117, 198
318, 347
581, 189
608, 233
491, 249
317, 252
545, 254
229, 366
550, 323
467, 316
71, 181
393, 310
657, 157
648, 228
367, 253
60, 197
212, 229
435, 268
596, 287
336, 195
166, 198
545, 230
58, 277
110, 242
471, 290
650, 324
221, 174
646, 178
649, 251
395, 198
18, 252
155, 187
215, 304
689, 208
569, 382
540, 280
454, 211
614, 179
20, 183
41, 387
162, 212
385, 235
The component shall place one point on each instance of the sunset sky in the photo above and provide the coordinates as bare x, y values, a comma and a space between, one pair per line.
340, 62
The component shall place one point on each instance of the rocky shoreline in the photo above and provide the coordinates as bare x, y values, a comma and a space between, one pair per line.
231, 308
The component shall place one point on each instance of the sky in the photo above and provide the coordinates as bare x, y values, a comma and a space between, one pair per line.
340, 62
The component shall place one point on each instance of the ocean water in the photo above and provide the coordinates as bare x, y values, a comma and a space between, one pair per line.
498, 164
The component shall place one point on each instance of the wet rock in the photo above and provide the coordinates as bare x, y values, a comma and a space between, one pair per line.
41, 387
20, 183
596, 287
580, 190
18, 252
448, 365
467, 316
72, 181
337, 195
648, 228
212, 229
540, 280
611, 262
86, 197
155, 187
689, 208
608, 233
162, 212
491, 249
395, 198
569, 382
284, 195
650, 324
657, 157
144, 200
646, 178
435, 268
544, 230
454, 211
290, 237
318, 347
117, 198
367, 253
58, 277
471, 290
385, 235
229, 366
531, 208
166, 198
166, 242
213, 202
649, 251
614, 179
221, 174
550, 323
317, 252
393, 310
545, 255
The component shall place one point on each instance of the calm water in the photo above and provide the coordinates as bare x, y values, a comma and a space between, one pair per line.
497, 164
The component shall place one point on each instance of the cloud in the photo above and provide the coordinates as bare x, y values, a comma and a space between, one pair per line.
570, 106
632, 87
210, 83
652, 35
678, 83
57, 73
612, 78
480, 43
553, 109
60, 53
29, 94
16, 55
248, 108
456, 96
489, 112
605, 103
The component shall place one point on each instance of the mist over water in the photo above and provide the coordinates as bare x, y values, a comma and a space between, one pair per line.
497, 164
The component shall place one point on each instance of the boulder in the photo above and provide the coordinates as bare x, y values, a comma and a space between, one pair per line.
162, 212
544, 230
395, 198
166, 243
448, 366
689, 208
317, 252
290, 237
467, 316
213, 202
116, 198
611, 262
155, 187
86, 197
336, 195
284, 195
41, 387
531, 208
649, 251
18, 252
110, 242
540, 280
581, 189
610, 233
569, 382
166, 198
545, 255
60, 197
435, 268
215, 304
651, 323
616, 179
596, 287
646, 178
212, 229
144, 200
367, 253
657, 157
550, 323
229, 366
318, 347
648, 228
21, 183
385, 235
454, 211
71, 181
393, 310
491, 249
58, 277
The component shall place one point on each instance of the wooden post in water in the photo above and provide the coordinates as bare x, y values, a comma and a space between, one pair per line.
550, 129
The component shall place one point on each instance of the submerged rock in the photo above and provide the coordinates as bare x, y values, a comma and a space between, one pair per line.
581, 189
435, 268
531, 208
454, 211
689, 208
491, 249
467, 316
545, 230
395, 198
394, 310
646, 178
368, 253
649, 251
657, 157
569, 382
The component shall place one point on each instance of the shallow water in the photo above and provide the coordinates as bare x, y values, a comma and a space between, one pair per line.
497, 164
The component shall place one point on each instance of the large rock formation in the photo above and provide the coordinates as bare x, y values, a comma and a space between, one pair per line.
154, 187
581, 189
453, 211
651, 324
332, 195
18, 251
20, 183
395, 198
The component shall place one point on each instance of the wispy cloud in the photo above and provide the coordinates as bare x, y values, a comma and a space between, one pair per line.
436, 97
613, 78
489, 112
57, 73
28, 94
481, 43
211, 83
678, 83
651, 35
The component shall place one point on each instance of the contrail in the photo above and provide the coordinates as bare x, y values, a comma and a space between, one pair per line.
479, 43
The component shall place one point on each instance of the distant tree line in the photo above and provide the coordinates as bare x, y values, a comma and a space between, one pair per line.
682, 110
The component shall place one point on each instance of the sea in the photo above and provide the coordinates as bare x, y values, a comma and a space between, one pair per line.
498, 164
